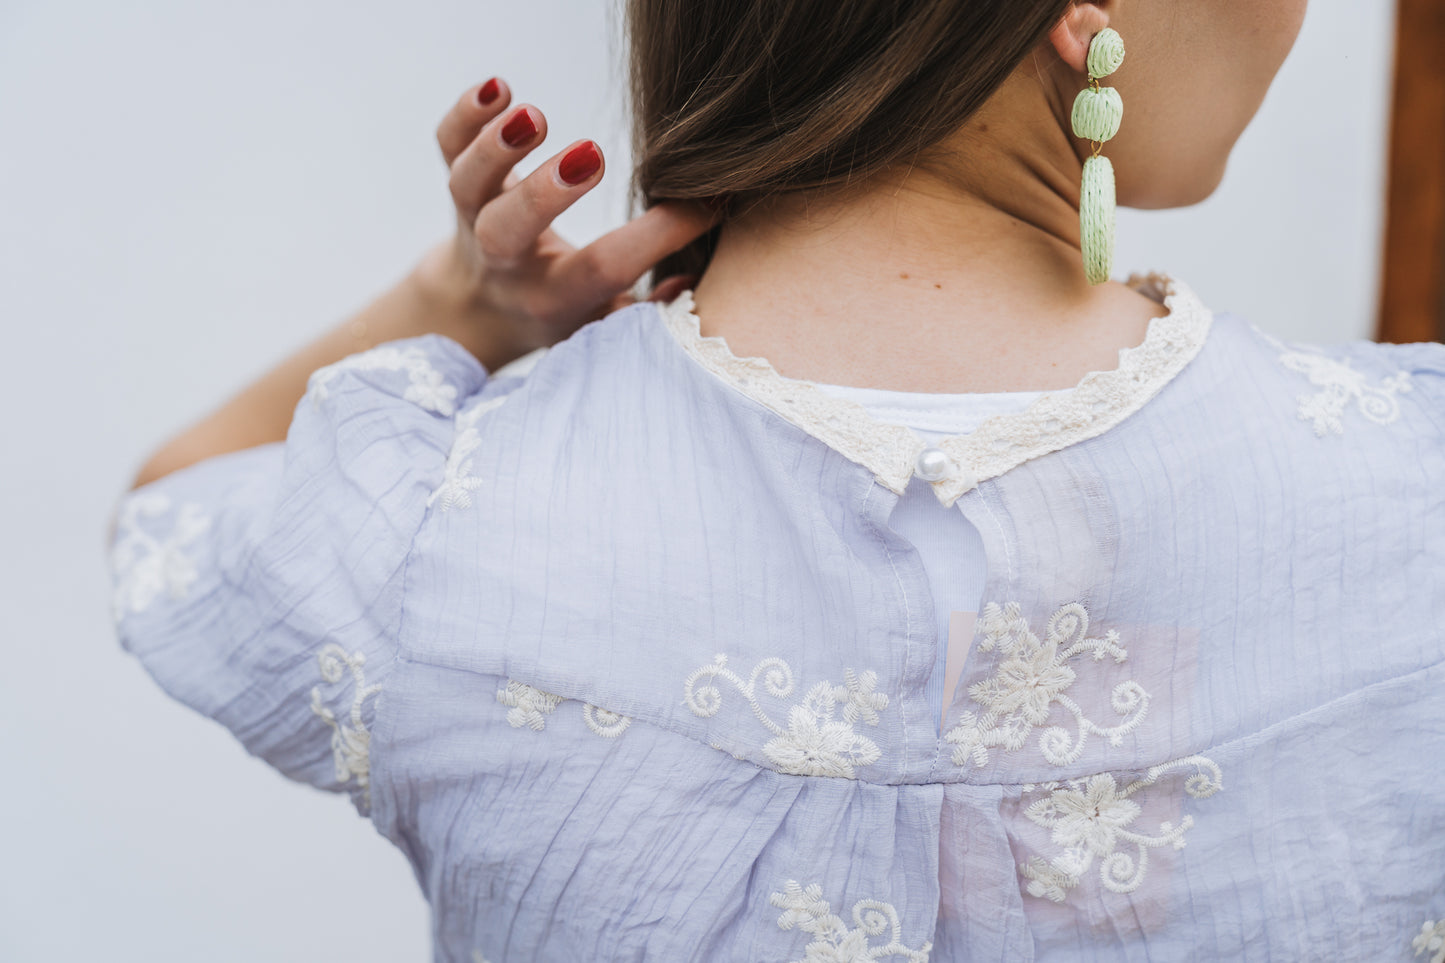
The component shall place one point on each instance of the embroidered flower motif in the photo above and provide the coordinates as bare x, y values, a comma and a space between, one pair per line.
1431, 939
427, 389
531, 705
1340, 384
968, 741
1021, 693
814, 743
858, 699
1090, 817
350, 744
1094, 817
1027, 684
833, 941
458, 482
145, 566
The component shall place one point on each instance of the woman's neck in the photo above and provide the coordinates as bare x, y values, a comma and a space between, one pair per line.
927, 281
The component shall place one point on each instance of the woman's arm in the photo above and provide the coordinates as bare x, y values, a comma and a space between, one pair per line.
504, 285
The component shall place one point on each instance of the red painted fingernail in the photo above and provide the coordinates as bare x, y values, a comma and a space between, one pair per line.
488, 92
580, 163
519, 129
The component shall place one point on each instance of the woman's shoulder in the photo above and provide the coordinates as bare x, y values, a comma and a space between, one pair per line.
615, 378
1425, 358
1422, 355
1329, 384
594, 347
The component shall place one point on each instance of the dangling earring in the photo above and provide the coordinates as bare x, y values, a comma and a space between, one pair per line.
1097, 112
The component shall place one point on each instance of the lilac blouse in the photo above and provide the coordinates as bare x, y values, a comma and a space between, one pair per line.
617, 644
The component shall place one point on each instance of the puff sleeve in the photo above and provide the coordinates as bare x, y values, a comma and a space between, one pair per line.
263, 587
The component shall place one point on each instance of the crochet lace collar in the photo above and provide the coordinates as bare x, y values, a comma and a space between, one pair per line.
893, 452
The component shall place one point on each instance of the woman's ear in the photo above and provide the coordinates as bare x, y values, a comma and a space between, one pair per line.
1075, 30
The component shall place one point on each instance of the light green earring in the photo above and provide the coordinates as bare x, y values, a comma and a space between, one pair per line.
1097, 113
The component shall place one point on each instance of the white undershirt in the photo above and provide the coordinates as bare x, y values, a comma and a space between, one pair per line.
950, 547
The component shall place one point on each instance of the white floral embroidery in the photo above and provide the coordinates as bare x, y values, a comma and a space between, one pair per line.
427, 389
477, 957
858, 699
350, 744
833, 941
1090, 817
431, 391
457, 485
1340, 384
531, 705
1431, 939
814, 743
1019, 696
145, 566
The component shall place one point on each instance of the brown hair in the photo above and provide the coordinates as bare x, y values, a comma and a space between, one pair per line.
734, 101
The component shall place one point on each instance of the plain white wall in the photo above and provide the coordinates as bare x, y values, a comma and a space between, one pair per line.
188, 192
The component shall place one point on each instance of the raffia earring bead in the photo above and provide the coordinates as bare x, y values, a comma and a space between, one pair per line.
1106, 53
1096, 219
1097, 114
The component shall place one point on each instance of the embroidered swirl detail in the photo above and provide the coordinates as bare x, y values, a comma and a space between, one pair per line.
1091, 817
1021, 693
530, 706
145, 566
814, 743
350, 743
458, 482
1431, 939
1340, 385
428, 389
833, 941
604, 722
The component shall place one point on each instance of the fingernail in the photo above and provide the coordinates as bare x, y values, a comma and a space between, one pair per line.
488, 92
580, 163
519, 129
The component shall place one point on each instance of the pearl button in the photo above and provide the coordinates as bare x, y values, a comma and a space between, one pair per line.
933, 464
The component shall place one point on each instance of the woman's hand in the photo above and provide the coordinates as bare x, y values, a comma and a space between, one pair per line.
510, 281
504, 285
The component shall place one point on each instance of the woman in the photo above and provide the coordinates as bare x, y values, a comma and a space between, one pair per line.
881, 589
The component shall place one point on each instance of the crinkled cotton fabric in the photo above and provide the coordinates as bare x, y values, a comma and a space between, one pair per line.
617, 645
